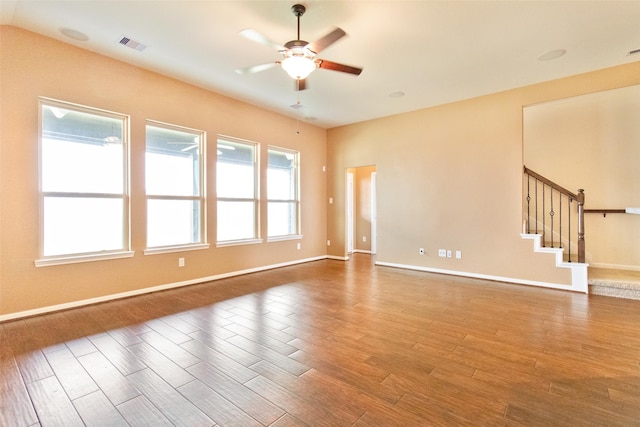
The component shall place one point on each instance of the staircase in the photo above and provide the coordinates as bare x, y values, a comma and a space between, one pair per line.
554, 220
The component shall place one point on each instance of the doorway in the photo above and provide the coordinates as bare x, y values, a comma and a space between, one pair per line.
360, 216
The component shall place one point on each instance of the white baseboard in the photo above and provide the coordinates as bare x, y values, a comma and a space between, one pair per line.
480, 276
80, 303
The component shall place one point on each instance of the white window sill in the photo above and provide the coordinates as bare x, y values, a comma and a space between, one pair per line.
177, 248
238, 242
45, 262
282, 238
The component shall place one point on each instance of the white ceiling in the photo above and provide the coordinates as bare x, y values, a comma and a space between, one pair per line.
434, 51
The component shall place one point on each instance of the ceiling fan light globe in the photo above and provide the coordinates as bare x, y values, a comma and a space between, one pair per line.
298, 67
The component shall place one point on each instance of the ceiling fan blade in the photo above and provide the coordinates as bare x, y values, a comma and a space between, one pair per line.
301, 84
326, 41
328, 65
257, 37
256, 68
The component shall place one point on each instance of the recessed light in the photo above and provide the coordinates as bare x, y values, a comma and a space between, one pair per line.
74, 34
551, 55
396, 94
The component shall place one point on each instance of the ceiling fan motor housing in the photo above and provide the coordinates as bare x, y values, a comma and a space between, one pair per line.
293, 44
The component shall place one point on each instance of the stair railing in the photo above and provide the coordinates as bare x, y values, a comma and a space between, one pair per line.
543, 198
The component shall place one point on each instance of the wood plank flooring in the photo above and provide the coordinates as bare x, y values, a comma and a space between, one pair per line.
328, 343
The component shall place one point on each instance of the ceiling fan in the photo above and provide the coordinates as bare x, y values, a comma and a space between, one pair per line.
299, 56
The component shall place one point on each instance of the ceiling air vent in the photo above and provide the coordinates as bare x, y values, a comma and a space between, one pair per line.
126, 41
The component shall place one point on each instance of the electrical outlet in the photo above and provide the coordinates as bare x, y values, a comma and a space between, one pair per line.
448, 254
458, 254
442, 253
328, 242
421, 251
298, 246
364, 238
180, 262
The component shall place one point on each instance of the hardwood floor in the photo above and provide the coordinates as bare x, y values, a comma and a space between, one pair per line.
328, 343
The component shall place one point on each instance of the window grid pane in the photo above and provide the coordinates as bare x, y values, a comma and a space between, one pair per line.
75, 225
282, 218
83, 180
99, 171
173, 222
236, 220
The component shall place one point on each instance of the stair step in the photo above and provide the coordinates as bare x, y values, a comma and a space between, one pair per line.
629, 289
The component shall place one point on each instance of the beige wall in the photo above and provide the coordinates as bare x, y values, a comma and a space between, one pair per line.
34, 66
450, 177
593, 142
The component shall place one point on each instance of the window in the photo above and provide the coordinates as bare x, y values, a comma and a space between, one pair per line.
174, 186
282, 193
83, 183
237, 191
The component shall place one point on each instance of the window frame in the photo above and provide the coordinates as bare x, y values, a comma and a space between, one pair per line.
296, 200
201, 198
77, 257
220, 140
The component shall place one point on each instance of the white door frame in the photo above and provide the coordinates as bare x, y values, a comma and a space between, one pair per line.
374, 214
350, 213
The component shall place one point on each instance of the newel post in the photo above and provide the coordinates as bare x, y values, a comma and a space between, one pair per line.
581, 244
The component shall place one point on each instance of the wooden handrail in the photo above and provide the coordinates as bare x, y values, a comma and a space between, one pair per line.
604, 212
550, 183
